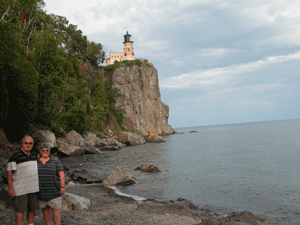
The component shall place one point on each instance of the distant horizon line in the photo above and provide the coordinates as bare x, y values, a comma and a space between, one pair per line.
225, 124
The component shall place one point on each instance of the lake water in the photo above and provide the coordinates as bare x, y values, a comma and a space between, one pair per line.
226, 168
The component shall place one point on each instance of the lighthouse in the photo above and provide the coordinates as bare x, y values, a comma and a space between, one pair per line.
127, 54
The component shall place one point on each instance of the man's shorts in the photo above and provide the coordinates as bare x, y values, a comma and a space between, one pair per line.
55, 203
24, 203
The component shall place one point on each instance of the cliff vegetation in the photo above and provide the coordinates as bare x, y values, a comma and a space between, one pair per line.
44, 80
51, 78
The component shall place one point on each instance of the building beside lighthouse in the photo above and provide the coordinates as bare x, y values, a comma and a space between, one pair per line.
127, 54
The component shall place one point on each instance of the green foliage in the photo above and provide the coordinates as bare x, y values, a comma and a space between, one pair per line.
94, 53
19, 77
41, 81
113, 67
77, 118
126, 63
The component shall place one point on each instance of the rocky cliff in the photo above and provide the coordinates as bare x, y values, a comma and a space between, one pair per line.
146, 114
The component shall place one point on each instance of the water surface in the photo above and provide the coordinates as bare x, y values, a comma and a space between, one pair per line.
240, 167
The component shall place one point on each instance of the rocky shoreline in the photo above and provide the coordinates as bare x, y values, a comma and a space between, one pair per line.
106, 207
100, 204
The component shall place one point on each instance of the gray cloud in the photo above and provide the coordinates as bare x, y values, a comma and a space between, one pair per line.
203, 49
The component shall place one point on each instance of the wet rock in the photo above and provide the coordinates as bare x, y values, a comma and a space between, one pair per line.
81, 172
148, 168
119, 177
108, 144
130, 139
245, 218
88, 149
110, 148
153, 137
92, 179
84, 177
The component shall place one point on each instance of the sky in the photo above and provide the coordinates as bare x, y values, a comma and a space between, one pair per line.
218, 62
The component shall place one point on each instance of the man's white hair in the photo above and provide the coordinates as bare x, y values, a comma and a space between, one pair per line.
26, 137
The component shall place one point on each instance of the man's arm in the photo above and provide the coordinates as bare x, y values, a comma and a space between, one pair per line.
11, 190
62, 182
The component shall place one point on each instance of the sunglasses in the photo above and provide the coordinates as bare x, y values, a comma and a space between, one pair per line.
28, 143
44, 150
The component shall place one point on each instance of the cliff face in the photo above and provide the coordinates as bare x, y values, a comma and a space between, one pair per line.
146, 114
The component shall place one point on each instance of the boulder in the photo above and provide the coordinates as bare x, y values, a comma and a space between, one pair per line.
130, 139
45, 136
245, 218
70, 150
119, 177
155, 138
148, 168
88, 149
81, 172
99, 143
74, 138
74, 202
92, 179
108, 144
84, 177
110, 148
89, 138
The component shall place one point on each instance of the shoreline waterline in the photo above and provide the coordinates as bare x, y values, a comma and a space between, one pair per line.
229, 168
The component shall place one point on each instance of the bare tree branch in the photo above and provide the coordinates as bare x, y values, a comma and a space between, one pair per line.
7, 13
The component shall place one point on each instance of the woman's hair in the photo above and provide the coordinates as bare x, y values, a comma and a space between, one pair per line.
44, 145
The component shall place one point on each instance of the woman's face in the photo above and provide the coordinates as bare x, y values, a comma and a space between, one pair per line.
45, 152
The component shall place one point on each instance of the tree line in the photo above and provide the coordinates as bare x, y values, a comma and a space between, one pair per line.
41, 81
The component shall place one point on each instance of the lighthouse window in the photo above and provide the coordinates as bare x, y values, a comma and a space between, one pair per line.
129, 49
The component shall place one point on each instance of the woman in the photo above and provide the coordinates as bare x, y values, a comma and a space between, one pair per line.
52, 183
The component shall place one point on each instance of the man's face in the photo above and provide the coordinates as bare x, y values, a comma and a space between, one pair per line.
27, 144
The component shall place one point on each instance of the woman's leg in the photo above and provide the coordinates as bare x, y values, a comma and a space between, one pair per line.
56, 216
47, 215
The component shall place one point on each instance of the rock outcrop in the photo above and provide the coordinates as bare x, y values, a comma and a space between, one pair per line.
148, 168
45, 136
145, 112
130, 139
119, 177
75, 202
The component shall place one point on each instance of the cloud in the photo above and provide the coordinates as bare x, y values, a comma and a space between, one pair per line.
250, 103
217, 76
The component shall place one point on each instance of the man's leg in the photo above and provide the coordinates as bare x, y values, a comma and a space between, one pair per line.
19, 218
56, 216
47, 215
30, 216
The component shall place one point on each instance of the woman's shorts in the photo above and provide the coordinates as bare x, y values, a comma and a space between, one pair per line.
55, 203
24, 203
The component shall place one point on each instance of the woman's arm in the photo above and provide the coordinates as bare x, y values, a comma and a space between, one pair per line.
62, 182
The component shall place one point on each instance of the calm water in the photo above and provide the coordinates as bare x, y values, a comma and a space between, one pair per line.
240, 167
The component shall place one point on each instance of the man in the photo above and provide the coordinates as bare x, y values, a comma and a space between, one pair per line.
23, 184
